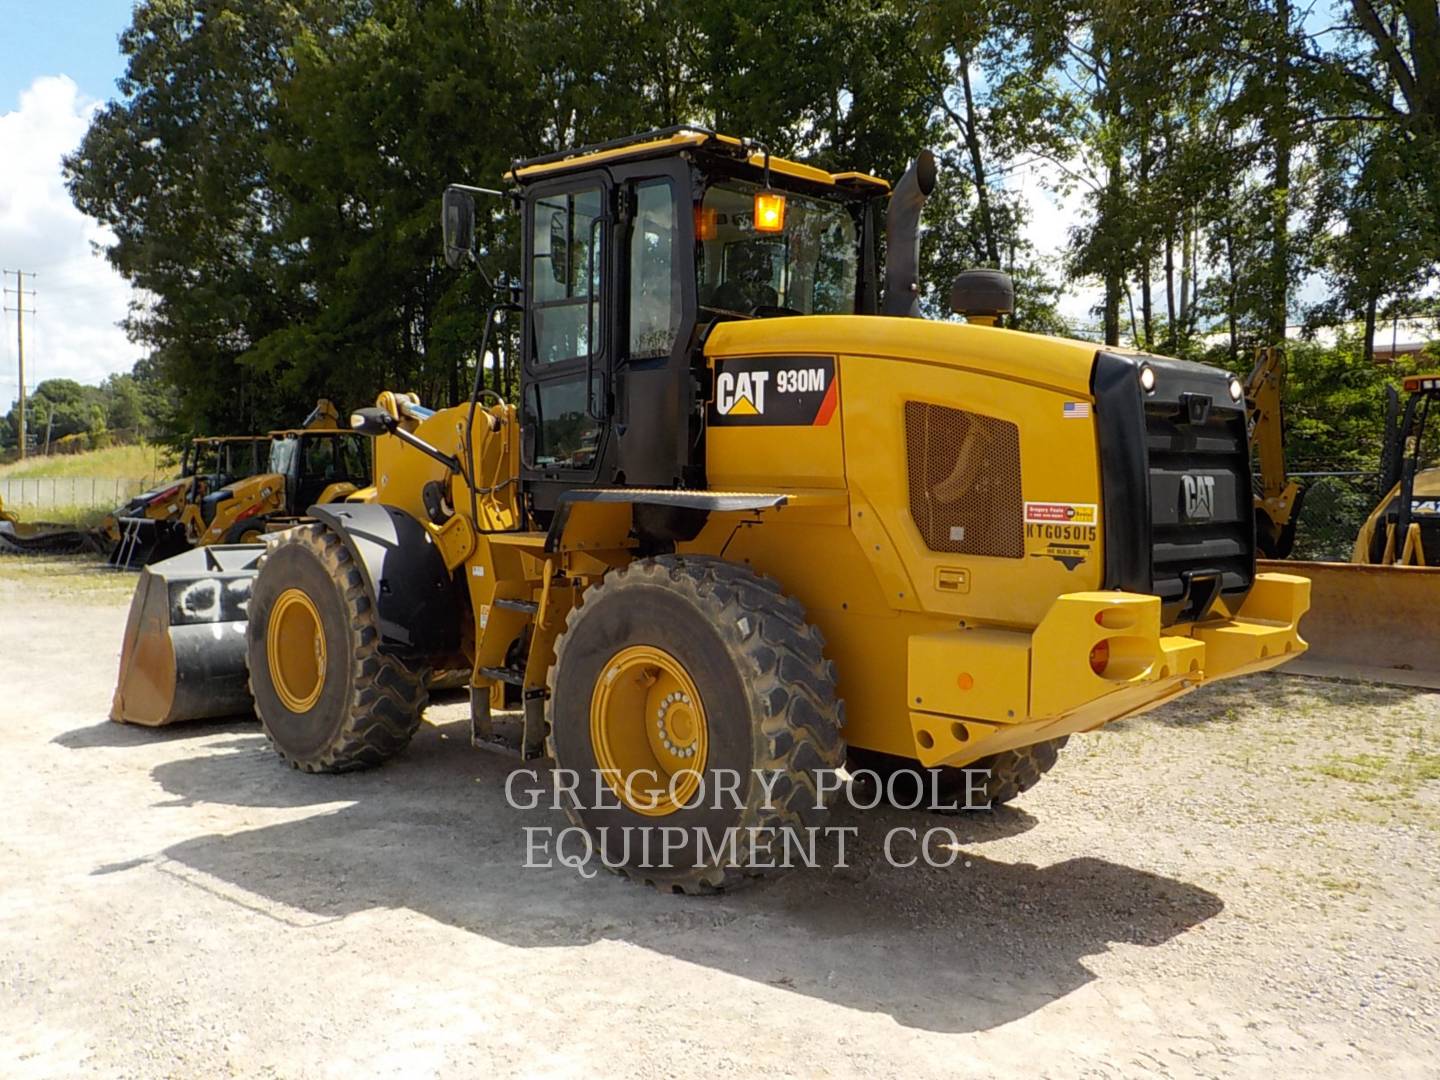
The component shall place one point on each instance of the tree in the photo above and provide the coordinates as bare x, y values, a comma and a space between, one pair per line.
178, 170
273, 170
60, 407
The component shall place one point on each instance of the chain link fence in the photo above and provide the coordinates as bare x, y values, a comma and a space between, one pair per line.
1335, 505
67, 492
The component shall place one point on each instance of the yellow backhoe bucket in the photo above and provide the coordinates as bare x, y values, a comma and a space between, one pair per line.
39, 537
183, 657
1375, 623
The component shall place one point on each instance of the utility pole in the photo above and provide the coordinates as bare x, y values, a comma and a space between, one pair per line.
20, 293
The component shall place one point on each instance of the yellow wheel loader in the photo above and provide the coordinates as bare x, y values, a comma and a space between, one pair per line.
234, 489
1372, 615
747, 520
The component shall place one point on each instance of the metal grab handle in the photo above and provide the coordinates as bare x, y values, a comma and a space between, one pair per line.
590, 409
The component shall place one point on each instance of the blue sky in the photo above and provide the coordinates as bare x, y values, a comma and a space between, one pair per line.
58, 60
78, 38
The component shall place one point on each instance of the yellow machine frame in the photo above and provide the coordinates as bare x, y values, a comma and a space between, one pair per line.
758, 542
991, 653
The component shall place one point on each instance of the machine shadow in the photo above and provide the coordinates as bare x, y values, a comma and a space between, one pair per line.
108, 733
959, 949
1226, 702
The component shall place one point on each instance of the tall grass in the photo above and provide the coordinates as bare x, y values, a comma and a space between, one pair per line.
145, 462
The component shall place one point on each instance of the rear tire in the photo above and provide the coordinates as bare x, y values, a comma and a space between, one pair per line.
749, 693
1015, 771
248, 531
328, 699
1011, 773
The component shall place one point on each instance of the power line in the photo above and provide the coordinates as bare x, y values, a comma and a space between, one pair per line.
20, 292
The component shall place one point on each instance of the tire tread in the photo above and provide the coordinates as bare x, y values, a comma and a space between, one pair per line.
791, 683
387, 699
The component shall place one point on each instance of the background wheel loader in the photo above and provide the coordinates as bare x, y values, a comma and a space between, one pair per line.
1372, 617
234, 489
747, 520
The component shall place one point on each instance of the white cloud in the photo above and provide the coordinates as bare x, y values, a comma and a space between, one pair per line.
80, 298
1052, 215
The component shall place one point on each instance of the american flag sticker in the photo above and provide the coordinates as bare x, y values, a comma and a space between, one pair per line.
1077, 410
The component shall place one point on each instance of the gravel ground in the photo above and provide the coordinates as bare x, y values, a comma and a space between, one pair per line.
1242, 883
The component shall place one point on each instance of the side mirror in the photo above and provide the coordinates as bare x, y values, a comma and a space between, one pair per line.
372, 421
457, 223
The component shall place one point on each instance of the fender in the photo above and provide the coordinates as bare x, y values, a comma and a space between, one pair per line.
664, 515
415, 597
241, 500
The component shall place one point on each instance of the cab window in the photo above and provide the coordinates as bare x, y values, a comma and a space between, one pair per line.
565, 274
282, 454
565, 436
809, 268
654, 290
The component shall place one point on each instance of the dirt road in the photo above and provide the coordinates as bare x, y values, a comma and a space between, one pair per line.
1242, 884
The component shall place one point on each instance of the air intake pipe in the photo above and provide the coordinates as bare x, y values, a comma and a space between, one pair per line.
902, 237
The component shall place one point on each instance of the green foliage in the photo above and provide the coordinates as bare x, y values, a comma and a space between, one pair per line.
271, 172
1334, 406
124, 404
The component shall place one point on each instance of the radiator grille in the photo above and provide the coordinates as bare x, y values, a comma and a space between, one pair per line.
965, 493
1215, 450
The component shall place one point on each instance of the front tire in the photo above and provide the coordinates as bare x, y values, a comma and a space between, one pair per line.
249, 531
328, 699
679, 678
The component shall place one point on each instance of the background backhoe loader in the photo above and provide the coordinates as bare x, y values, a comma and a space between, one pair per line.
153, 525
258, 484
318, 463
747, 519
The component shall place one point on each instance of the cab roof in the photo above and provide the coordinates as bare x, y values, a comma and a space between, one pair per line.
668, 141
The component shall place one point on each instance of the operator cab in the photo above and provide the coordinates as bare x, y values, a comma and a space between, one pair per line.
216, 464
632, 251
310, 461
1410, 478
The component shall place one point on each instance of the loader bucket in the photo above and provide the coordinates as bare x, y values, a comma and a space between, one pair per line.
41, 539
1375, 623
145, 540
183, 657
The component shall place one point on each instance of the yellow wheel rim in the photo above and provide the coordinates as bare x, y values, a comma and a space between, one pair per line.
295, 649
648, 730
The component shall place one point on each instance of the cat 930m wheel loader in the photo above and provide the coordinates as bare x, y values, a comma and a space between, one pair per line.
746, 520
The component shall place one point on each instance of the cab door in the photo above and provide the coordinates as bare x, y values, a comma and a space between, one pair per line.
567, 345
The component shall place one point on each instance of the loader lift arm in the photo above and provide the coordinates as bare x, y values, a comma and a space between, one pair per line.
1278, 498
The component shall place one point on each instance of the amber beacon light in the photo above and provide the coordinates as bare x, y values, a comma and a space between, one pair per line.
769, 212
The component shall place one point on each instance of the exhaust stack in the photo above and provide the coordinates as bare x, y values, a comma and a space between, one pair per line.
902, 237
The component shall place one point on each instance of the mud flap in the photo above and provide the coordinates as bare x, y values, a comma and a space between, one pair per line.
183, 656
